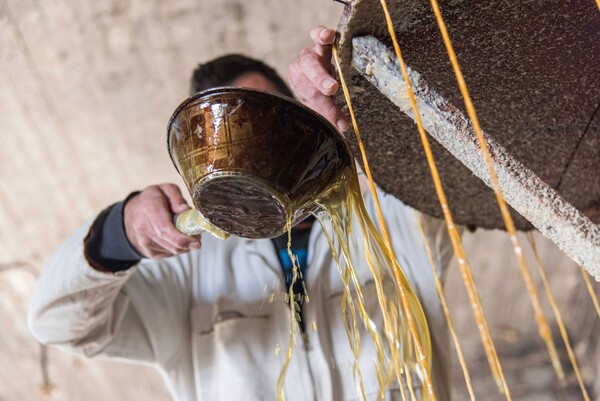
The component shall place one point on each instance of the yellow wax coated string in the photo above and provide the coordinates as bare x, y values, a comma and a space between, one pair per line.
590, 288
440, 291
402, 391
543, 328
349, 274
557, 314
482, 325
409, 383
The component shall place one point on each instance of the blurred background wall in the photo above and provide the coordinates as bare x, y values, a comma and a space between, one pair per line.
86, 89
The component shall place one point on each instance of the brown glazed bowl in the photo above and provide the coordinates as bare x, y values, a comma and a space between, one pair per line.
251, 158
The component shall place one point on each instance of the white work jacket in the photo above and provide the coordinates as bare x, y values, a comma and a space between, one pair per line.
204, 319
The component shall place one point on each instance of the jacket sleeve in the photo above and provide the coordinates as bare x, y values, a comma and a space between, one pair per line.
139, 314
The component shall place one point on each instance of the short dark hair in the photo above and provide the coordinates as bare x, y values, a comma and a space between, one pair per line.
224, 70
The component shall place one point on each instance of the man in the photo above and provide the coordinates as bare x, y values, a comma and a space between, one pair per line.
129, 285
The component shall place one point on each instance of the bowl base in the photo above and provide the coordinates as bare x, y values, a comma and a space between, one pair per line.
242, 204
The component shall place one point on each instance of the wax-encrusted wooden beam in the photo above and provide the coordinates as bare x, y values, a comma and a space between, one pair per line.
568, 228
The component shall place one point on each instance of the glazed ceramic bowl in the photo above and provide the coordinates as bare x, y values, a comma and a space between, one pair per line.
251, 159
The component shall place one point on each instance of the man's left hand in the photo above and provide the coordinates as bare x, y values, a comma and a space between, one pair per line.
311, 79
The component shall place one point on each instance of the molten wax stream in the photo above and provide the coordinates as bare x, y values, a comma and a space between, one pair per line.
358, 249
423, 358
359, 245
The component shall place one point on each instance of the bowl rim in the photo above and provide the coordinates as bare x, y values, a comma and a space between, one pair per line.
261, 93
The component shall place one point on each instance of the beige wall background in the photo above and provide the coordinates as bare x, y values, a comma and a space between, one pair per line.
86, 89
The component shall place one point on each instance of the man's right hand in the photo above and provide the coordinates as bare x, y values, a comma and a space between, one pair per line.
148, 219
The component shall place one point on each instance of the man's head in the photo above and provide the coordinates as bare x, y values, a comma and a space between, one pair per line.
237, 70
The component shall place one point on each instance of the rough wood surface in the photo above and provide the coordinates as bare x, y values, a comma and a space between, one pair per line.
532, 70
542, 206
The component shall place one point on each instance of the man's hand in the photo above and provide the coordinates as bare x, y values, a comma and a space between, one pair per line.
311, 80
148, 219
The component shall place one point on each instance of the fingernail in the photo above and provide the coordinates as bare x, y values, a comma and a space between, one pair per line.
324, 35
342, 125
195, 245
329, 83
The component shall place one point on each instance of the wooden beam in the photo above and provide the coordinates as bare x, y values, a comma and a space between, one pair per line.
575, 234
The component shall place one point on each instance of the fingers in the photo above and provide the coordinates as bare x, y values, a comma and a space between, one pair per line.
156, 243
315, 62
159, 219
148, 219
176, 201
316, 69
312, 81
311, 96
323, 39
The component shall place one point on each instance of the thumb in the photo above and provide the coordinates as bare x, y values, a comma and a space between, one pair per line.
176, 200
